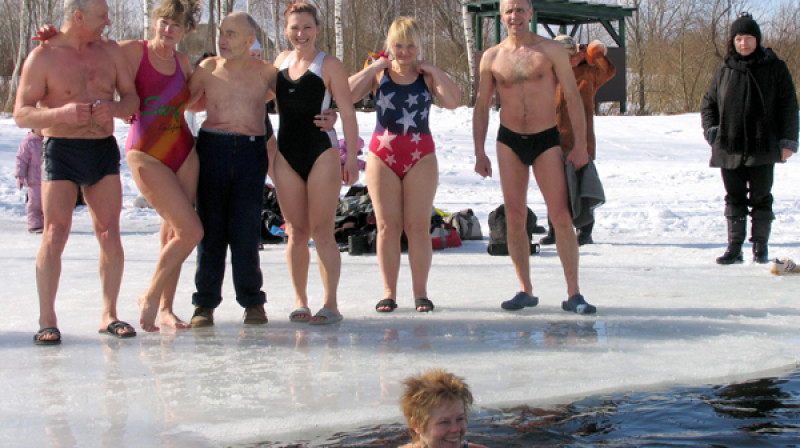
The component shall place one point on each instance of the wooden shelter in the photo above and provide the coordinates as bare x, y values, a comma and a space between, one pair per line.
566, 17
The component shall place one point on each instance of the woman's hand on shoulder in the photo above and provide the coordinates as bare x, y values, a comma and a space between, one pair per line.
45, 32
426, 68
380, 64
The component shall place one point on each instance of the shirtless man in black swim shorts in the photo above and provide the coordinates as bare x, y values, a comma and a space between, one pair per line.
67, 89
526, 69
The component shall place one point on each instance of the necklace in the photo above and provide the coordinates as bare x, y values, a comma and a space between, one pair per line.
163, 58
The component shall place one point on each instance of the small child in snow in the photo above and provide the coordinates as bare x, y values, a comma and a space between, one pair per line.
29, 173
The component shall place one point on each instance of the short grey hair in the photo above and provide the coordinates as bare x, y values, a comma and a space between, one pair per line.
254, 28
251, 22
70, 6
530, 3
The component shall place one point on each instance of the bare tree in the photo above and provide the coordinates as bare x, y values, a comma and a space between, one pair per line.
785, 40
22, 51
469, 38
147, 7
211, 30
276, 27
338, 28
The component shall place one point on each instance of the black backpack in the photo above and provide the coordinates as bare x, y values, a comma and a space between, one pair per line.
498, 244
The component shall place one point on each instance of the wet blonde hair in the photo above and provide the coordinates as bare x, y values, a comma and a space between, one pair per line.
404, 29
187, 11
423, 393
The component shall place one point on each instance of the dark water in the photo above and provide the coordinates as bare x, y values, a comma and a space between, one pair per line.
757, 413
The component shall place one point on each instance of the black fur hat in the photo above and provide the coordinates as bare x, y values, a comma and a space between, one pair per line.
746, 25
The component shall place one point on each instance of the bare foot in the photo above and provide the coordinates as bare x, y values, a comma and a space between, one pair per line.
167, 318
147, 316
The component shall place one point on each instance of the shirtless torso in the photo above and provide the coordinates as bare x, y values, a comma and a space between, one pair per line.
235, 93
525, 71
73, 85
526, 84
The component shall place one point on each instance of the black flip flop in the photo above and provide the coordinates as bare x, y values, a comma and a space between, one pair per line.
423, 301
386, 303
113, 330
37, 338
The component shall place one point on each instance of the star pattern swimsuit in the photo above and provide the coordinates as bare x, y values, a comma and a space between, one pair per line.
402, 136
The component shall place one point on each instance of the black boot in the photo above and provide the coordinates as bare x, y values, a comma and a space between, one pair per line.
736, 234
732, 255
551, 235
760, 253
760, 236
585, 234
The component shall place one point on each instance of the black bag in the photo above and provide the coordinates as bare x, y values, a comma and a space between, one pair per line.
270, 216
498, 239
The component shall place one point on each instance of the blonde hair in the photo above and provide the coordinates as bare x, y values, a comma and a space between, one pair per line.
187, 11
404, 29
423, 393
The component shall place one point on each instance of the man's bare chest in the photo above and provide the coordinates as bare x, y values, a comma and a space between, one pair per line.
75, 74
237, 85
521, 67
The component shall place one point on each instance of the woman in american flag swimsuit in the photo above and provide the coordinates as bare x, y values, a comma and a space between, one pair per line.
402, 172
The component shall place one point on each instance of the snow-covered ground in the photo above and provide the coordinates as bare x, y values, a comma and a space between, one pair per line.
667, 313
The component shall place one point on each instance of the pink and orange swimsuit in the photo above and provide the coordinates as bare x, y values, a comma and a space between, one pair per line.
402, 136
159, 128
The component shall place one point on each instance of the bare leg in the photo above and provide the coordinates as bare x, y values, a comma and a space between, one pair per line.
419, 189
171, 196
386, 191
292, 193
549, 172
58, 201
187, 177
514, 176
272, 149
324, 185
166, 315
105, 203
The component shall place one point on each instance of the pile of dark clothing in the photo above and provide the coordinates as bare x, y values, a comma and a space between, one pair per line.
355, 226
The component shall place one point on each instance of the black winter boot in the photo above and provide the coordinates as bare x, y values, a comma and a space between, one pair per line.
760, 236
551, 235
585, 234
732, 255
736, 234
760, 253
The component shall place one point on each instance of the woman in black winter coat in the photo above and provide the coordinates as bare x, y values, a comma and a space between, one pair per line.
750, 119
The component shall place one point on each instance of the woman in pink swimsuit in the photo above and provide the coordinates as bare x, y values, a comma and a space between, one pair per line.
402, 172
160, 151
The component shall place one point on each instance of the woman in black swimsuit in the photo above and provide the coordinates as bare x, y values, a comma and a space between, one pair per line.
308, 171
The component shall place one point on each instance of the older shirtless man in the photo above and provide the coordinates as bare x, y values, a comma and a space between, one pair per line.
525, 70
231, 146
67, 89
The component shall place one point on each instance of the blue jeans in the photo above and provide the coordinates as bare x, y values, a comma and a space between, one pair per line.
230, 193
